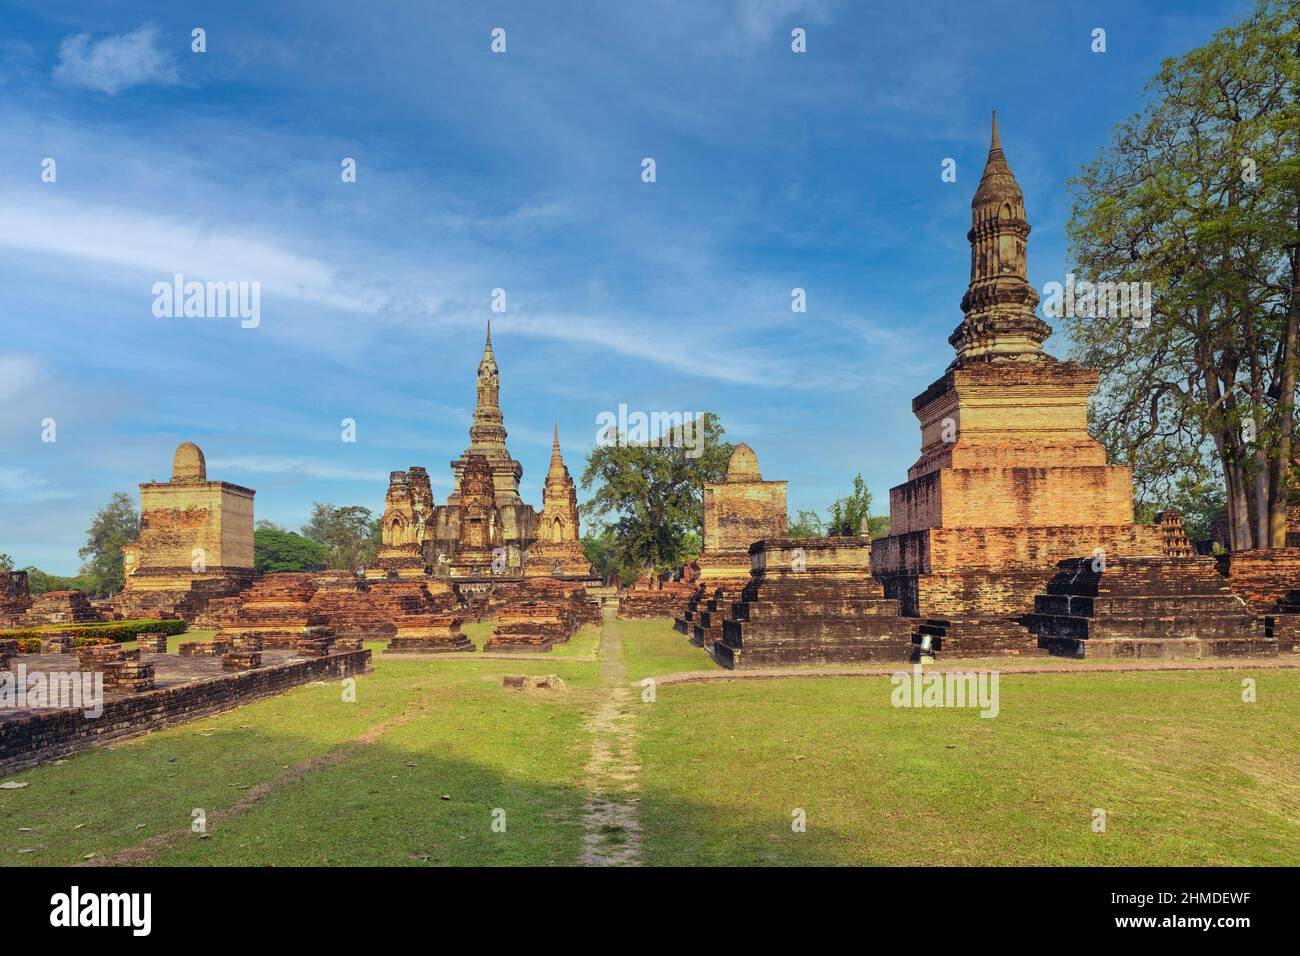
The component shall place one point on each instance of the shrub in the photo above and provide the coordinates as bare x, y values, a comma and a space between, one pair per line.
102, 632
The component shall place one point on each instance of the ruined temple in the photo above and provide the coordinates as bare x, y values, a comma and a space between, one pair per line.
1010, 491
485, 532
15, 597
195, 542
741, 509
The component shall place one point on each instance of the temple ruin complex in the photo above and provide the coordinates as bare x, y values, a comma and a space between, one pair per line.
485, 532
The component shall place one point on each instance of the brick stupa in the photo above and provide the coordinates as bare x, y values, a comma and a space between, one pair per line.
1010, 490
738, 511
557, 550
195, 542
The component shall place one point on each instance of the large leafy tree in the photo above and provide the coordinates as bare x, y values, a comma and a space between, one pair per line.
114, 525
350, 533
1200, 196
649, 494
276, 549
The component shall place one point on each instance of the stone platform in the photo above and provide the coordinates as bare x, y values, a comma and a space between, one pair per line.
668, 600
979, 637
813, 601
424, 634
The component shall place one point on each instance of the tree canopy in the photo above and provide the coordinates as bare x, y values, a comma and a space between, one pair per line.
350, 534
275, 549
649, 494
114, 525
844, 517
1199, 195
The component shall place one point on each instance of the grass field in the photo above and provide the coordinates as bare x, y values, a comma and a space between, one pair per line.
433, 751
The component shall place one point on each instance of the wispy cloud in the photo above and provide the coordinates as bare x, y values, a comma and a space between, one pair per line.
18, 372
115, 63
296, 467
21, 485
760, 18
157, 246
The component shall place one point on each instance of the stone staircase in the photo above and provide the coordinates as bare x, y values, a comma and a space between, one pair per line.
812, 601
1177, 607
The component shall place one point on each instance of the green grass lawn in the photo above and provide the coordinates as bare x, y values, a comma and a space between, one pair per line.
462, 735
1186, 772
652, 647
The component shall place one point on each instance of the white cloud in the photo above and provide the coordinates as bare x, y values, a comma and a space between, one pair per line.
18, 373
760, 18
159, 246
18, 485
300, 468
115, 63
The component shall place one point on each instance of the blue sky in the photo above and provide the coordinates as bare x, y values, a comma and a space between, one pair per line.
519, 171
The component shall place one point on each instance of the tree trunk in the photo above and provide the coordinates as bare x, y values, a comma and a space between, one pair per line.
1281, 471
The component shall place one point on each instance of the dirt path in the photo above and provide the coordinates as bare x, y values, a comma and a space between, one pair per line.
611, 830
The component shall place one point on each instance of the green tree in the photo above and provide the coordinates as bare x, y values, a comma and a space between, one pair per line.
275, 549
350, 533
651, 492
113, 526
38, 582
6, 562
1200, 196
600, 545
849, 514
808, 524
844, 518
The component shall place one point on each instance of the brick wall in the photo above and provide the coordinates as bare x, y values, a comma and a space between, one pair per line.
45, 735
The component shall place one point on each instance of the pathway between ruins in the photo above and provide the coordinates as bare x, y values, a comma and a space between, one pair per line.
611, 829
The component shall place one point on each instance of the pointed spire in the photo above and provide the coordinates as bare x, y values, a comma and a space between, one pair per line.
487, 346
999, 323
557, 474
557, 459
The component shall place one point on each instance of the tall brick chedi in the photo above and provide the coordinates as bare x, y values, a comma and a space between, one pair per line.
195, 541
557, 548
1009, 482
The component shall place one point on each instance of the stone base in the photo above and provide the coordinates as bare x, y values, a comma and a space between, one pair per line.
1145, 607
152, 643
813, 601
515, 643
1285, 629
668, 601
204, 648
178, 592
1264, 578
979, 637
429, 645
1185, 648
30, 738
241, 660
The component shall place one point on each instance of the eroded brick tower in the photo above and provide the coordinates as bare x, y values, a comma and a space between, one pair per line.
1009, 482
